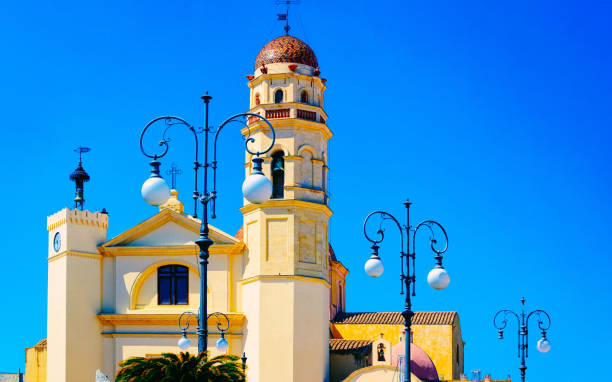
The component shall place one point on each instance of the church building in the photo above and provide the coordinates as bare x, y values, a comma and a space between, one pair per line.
277, 279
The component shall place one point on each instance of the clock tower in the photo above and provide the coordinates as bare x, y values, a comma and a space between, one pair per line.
285, 282
74, 297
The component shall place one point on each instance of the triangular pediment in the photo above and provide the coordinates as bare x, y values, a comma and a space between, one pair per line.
167, 228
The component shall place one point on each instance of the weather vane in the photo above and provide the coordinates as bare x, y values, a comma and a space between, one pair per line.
285, 16
174, 171
79, 176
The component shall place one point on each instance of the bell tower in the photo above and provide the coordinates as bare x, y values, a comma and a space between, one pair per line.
285, 286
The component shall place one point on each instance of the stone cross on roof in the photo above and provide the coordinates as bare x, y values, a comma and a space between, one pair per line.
174, 171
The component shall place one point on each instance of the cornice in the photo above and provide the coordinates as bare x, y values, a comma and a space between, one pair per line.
316, 280
339, 267
66, 253
114, 334
172, 250
316, 190
284, 203
235, 319
291, 123
280, 76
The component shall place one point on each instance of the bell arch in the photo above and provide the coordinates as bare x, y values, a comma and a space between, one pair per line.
277, 168
279, 95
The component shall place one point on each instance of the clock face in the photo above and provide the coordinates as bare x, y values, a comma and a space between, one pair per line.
57, 241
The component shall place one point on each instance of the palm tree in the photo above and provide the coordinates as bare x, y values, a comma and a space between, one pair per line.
181, 368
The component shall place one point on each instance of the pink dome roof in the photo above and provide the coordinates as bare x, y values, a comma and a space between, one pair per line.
420, 364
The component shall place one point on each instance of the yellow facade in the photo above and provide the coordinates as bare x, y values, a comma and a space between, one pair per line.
368, 331
436, 333
36, 362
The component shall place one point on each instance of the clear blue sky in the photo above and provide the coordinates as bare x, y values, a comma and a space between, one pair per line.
493, 117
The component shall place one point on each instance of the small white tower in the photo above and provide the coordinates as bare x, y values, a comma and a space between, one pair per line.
74, 341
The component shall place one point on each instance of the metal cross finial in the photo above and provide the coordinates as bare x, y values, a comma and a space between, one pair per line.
285, 16
173, 172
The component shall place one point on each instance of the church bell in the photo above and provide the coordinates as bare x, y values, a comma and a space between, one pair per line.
277, 165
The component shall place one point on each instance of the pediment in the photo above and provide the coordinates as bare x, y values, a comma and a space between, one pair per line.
167, 228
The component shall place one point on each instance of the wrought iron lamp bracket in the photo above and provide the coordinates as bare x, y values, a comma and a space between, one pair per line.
184, 325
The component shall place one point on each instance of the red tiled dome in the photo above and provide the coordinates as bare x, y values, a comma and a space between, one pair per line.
286, 49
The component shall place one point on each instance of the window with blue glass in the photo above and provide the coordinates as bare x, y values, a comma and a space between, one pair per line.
173, 285
278, 96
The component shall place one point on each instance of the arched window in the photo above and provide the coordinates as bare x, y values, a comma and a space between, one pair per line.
172, 285
304, 96
278, 96
457, 354
340, 298
278, 175
257, 100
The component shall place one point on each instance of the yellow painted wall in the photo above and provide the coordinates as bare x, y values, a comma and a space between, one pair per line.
438, 341
72, 326
337, 282
287, 330
458, 351
369, 331
36, 364
288, 238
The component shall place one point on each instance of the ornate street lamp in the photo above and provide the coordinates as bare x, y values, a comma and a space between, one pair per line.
543, 345
437, 278
256, 188
222, 327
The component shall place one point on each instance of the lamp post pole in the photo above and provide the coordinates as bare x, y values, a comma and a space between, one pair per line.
522, 330
257, 188
438, 277
204, 242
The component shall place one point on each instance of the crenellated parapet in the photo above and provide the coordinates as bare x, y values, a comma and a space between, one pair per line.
78, 217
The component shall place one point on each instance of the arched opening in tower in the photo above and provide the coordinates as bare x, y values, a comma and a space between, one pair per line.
278, 175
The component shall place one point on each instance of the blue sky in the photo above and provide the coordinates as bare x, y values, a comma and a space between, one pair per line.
493, 118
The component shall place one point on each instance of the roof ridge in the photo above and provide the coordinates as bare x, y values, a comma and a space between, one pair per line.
396, 318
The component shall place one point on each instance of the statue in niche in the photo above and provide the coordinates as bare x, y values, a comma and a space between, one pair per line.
381, 352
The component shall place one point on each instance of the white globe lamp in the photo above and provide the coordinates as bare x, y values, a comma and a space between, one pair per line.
257, 188
374, 266
222, 344
438, 278
543, 345
183, 342
155, 190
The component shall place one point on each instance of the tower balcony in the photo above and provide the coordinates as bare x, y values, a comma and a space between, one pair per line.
287, 110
